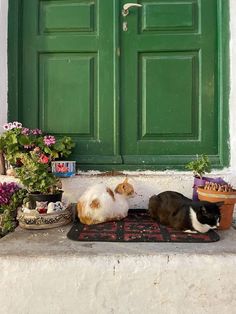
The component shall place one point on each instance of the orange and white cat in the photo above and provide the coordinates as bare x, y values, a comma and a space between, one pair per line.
99, 203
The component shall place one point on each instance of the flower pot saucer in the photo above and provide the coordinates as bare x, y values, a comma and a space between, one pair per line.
36, 221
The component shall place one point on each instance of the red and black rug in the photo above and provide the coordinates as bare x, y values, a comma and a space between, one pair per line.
137, 227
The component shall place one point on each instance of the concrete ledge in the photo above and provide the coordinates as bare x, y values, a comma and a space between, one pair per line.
44, 272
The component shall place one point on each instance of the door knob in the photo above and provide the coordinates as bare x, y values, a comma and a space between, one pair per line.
127, 6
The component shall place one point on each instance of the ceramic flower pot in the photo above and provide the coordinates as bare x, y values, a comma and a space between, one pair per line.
228, 198
36, 197
200, 182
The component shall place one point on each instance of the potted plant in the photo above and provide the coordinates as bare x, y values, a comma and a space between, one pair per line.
199, 167
18, 139
30, 152
11, 197
224, 193
36, 177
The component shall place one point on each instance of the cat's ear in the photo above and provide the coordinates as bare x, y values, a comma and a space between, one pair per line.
126, 180
120, 188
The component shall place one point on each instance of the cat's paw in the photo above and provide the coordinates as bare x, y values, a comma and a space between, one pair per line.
190, 231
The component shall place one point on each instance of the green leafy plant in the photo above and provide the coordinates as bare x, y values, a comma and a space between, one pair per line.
11, 197
35, 174
199, 166
31, 152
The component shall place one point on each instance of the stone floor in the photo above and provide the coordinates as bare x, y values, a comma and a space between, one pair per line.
53, 242
44, 272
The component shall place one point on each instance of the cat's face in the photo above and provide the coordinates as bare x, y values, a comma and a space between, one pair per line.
41, 204
209, 213
125, 188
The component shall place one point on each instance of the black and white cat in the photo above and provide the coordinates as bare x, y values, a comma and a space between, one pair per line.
174, 210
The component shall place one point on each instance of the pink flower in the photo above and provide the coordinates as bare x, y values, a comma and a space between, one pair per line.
6, 126
49, 140
25, 131
44, 159
10, 125
17, 124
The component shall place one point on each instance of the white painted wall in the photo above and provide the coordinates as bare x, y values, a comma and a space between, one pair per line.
3, 74
3, 61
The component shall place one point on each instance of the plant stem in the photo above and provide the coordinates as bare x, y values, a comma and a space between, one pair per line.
2, 163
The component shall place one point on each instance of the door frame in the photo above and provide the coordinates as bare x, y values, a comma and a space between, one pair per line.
15, 72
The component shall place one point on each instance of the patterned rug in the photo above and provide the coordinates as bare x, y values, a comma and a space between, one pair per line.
137, 227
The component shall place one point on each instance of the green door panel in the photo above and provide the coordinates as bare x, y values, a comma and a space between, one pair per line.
152, 96
169, 75
66, 16
68, 75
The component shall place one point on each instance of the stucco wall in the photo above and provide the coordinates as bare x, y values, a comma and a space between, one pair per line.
3, 74
3, 61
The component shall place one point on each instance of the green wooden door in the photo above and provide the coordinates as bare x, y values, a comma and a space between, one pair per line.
144, 94
69, 74
169, 82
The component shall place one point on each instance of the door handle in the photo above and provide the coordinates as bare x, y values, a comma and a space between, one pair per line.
127, 6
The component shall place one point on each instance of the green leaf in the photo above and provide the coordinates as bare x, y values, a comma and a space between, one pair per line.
24, 140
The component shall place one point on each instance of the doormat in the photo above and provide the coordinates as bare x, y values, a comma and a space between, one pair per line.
138, 226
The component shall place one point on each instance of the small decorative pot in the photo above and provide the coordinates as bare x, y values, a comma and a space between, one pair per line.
36, 197
63, 169
226, 210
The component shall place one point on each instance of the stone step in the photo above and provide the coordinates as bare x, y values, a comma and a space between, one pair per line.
44, 272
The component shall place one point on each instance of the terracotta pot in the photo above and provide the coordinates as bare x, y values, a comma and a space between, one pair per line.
33, 197
229, 199
200, 182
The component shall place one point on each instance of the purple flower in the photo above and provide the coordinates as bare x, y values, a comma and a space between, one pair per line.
49, 140
29, 146
25, 131
36, 132
6, 192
